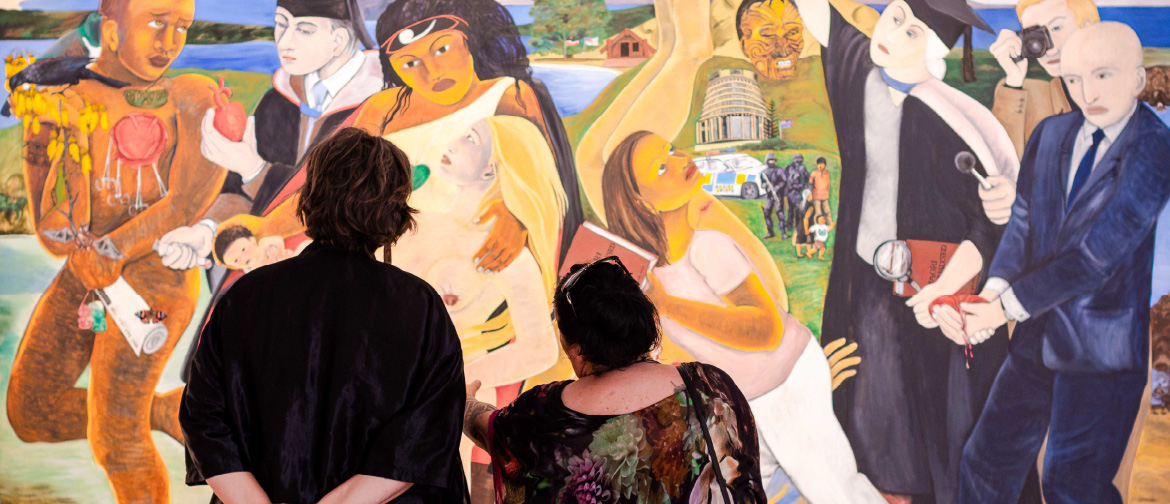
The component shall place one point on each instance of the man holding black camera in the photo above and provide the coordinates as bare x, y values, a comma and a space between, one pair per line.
1021, 103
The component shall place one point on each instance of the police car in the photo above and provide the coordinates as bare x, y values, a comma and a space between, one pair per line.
731, 175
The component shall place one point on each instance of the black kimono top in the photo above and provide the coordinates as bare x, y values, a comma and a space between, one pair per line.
324, 366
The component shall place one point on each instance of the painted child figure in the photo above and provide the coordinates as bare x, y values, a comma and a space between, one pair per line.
820, 234
102, 206
238, 249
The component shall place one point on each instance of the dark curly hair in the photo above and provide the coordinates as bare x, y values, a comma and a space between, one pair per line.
224, 239
611, 319
356, 190
497, 51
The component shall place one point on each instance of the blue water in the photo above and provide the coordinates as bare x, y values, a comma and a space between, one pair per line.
572, 88
252, 12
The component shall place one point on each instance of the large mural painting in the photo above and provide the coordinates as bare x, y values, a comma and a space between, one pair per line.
922, 236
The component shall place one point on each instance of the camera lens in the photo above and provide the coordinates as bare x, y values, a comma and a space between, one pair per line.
1035, 47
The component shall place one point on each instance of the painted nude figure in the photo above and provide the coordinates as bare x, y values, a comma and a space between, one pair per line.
103, 214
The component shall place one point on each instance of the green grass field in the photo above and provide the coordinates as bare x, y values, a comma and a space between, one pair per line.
806, 279
802, 99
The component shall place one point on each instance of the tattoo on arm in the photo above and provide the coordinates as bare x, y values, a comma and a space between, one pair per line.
473, 428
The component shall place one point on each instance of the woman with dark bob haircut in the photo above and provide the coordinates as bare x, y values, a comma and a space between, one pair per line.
629, 429
331, 377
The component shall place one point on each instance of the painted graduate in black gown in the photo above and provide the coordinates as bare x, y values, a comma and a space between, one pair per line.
324, 76
899, 128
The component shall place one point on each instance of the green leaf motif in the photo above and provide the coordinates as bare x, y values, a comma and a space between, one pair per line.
419, 175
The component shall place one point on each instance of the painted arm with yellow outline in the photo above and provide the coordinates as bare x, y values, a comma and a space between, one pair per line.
749, 322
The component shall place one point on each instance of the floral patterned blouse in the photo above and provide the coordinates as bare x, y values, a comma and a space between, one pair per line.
543, 451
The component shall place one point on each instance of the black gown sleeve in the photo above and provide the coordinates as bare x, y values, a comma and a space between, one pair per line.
418, 444
846, 59
212, 445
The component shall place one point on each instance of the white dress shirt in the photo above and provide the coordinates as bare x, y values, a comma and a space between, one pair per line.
1011, 305
334, 83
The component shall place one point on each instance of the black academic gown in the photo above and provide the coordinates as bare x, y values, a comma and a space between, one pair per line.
278, 138
279, 126
913, 402
324, 366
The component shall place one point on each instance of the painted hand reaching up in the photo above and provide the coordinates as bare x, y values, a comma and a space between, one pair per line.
842, 361
506, 239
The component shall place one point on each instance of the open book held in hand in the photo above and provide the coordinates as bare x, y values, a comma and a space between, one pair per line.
592, 243
927, 260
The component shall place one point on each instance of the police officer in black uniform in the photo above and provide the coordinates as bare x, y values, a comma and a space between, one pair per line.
795, 180
773, 182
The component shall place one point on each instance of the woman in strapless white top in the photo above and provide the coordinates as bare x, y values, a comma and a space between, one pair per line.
713, 306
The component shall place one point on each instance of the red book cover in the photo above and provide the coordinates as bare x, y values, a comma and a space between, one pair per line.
592, 243
927, 260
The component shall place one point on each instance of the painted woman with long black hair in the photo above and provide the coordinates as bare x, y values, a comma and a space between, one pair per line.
447, 64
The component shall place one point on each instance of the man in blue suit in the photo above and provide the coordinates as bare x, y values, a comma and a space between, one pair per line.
1073, 270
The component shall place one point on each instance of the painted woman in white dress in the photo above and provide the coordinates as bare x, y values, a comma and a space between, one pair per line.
715, 309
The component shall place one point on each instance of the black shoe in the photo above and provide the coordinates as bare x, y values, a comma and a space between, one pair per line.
769, 235
783, 236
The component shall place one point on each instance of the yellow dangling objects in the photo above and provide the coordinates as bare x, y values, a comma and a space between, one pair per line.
74, 150
52, 143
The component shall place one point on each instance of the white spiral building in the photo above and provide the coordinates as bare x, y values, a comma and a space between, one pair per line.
733, 110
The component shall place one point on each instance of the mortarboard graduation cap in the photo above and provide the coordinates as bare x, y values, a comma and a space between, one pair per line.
949, 19
345, 10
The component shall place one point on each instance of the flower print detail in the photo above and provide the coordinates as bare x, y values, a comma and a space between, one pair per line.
682, 436
587, 482
546, 453
622, 441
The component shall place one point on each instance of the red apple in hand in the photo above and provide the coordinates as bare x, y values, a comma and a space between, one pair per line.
230, 119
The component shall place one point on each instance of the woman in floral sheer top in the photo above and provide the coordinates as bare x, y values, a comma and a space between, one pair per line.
628, 430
